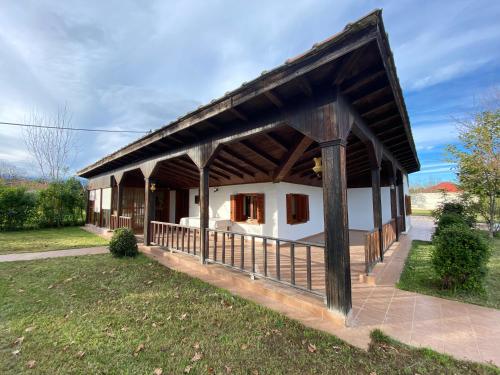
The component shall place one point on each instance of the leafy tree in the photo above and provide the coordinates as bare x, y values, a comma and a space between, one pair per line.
16, 207
478, 162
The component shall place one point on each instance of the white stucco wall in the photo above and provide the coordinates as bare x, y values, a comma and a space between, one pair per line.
360, 208
385, 194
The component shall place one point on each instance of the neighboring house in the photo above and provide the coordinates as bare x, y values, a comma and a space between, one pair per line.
431, 197
319, 146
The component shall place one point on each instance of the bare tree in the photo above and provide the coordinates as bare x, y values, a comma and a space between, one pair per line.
52, 148
10, 172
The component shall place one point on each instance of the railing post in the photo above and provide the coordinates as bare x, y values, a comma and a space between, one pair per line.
336, 227
204, 207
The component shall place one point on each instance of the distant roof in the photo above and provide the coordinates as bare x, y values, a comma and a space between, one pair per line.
448, 187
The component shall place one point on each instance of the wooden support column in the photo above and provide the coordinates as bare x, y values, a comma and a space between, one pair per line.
401, 197
149, 209
87, 216
394, 204
337, 259
204, 208
119, 199
100, 209
377, 207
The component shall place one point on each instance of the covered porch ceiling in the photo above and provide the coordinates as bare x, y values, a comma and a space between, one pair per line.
357, 62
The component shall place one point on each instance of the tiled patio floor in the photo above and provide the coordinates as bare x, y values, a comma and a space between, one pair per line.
462, 330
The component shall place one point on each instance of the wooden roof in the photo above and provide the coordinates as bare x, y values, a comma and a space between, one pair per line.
357, 60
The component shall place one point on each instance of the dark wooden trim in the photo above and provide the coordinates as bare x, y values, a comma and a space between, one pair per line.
274, 98
291, 158
277, 141
244, 160
377, 207
204, 210
336, 227
238, 114
247, 145
149, 210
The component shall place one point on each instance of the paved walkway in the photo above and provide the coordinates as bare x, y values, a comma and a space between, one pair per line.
462, 330
53, 254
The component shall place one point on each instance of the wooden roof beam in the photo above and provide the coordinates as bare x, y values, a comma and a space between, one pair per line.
239, 114
346, 66
372, 94
235, 166
244, 160
227, 169
304, 85
257, 151
291, 158
276, 140
378, 108
365, 77
274, 98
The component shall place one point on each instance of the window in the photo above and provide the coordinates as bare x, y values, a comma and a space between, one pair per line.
297, 208
247, 207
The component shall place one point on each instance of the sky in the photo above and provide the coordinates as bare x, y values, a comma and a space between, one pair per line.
137, 65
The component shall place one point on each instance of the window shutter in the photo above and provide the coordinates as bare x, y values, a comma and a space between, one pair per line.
260, 208
305, 205
408, 205
289, 218
237, 208
233, 207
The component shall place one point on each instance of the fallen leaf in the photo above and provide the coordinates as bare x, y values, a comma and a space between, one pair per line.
31, 364
183, 316
153, 325
80, 354
21, 290
197, 356
255, 372
211, 370
16, 352
150, 282
158, 371
244, 347
19, 340
29, 329
50, 286
373, 373
145, 317
311, 348
188, 368
196, 345
337, 348
140, 348
228, 369
124, 329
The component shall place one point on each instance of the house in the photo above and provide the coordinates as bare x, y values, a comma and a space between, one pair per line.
431, 197
277, 177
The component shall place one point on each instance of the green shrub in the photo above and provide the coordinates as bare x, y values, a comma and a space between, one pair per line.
464, 209
123, 243
447, 220
16, 207
459, 257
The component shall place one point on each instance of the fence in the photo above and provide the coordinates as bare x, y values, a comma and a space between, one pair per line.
176, 237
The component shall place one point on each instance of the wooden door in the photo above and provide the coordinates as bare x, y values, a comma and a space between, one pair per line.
181, 204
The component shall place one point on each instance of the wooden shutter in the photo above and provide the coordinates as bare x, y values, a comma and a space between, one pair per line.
237, 207
289, 216
259, 199
408, 205
305, 208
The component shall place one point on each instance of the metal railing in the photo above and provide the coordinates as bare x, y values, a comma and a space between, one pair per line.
176, 237
295, 263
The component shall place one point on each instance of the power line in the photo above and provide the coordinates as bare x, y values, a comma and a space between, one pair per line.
76, 129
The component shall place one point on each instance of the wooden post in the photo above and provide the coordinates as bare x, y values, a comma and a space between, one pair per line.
204, 207
119, 199
401, 197
149, 209
377, 207
100, 209
394, 204
87, 216
337, 260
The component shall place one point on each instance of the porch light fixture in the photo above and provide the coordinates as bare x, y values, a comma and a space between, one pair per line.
152, 187
317, 166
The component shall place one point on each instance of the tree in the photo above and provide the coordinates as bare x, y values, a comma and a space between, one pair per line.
52, 148
478, 162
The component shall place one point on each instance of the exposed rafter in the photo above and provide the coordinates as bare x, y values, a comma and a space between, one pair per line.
378, 108
244, 160
238, 114
373, 94
247, 145
274, 98
364, 78
346, 66
291, 158
304, 85
276, 140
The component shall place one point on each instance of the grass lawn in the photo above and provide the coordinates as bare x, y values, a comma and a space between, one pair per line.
29, 241
97, 314
418, 276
